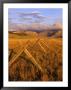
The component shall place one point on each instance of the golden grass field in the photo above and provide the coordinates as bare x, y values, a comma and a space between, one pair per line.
35, 59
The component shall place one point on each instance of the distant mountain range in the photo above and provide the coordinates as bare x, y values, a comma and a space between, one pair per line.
34, 27
48, 33
54, 30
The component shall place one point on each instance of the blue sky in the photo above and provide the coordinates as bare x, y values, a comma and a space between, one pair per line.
35, 15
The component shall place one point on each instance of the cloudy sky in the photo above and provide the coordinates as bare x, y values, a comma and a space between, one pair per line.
35, 15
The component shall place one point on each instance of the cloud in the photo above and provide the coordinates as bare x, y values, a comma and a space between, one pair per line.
39, 16
35, 13
48, 17
26, 18
34, 16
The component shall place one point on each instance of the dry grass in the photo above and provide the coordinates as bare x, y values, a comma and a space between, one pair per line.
47, 52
